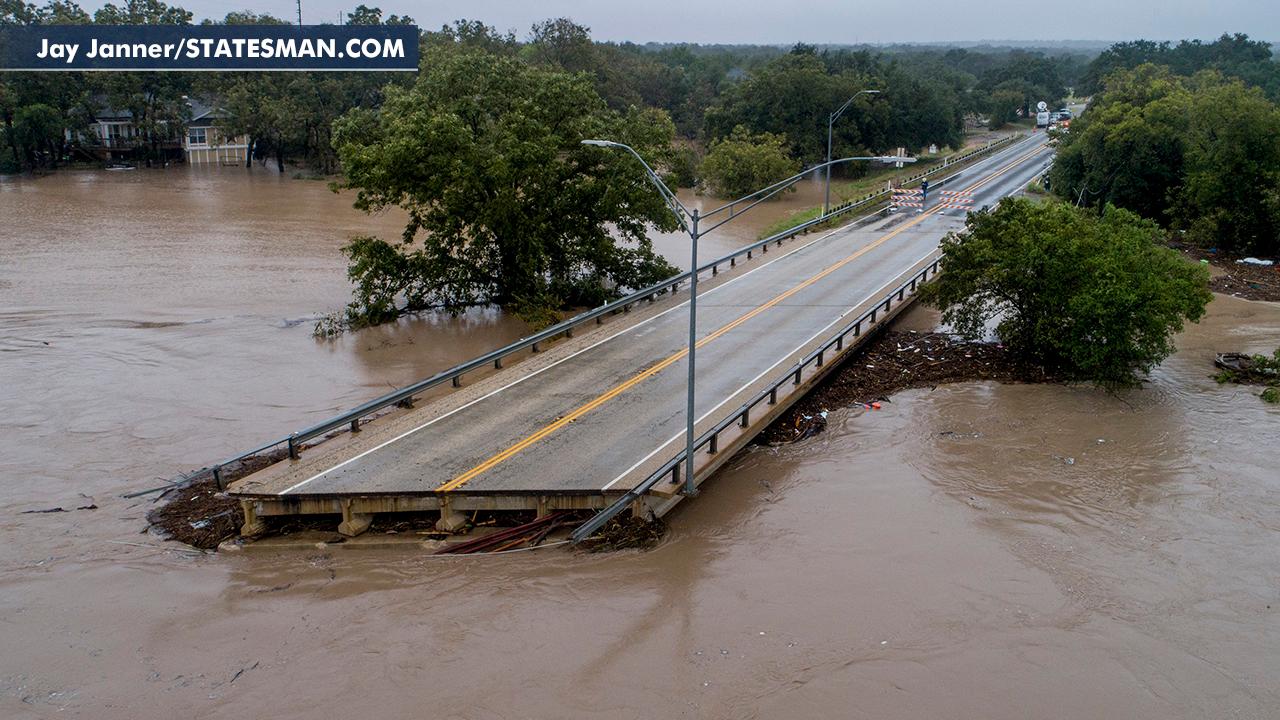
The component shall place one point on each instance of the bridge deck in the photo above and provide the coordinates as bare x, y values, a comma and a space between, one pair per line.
594, 415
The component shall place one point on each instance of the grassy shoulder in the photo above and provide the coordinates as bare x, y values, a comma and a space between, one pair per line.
844, 191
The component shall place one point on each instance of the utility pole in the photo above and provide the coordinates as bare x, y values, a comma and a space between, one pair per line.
299, 13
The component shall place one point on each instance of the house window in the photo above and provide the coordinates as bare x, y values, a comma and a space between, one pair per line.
197, 136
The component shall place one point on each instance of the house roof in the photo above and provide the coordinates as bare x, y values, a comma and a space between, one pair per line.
204, 113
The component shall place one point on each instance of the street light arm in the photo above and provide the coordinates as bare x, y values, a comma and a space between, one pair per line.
673, 203
840, 111
781, 185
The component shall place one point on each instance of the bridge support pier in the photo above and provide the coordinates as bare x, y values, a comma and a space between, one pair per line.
353, 524
253, 524
451, 521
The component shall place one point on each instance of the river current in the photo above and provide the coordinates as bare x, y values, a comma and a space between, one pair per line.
976, 550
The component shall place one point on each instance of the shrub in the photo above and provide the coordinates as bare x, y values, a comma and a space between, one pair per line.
1087, 297
743, 162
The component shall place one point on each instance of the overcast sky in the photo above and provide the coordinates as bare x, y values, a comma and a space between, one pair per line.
819, 21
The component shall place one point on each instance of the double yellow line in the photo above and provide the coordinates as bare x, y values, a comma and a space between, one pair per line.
653, 370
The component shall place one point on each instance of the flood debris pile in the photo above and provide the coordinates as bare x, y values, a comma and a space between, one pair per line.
198, 514
195, 511
894, 361
1245, 369
801, 426
626, 532
528, 534
1248, 278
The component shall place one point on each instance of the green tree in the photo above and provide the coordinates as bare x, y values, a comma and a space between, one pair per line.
1198, 154
247, 17
364, 15
791, 96
505, 204
1002, 107
1232, 55
1230, 195
142, 12
1127, 150
745, 162
1089, 297
65, 93
38, 129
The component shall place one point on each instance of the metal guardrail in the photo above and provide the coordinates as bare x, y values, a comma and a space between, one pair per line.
405, 395
769, 395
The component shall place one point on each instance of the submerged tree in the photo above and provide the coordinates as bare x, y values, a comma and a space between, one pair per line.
743, 162
1089, 297
505, 204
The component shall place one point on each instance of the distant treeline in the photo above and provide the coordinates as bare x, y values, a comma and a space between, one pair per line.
286, 116
926, 93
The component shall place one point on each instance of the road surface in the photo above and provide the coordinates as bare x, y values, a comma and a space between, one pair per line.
599, 418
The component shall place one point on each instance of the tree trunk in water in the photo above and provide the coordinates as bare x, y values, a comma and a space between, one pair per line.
13, 141
248, 153
280, 159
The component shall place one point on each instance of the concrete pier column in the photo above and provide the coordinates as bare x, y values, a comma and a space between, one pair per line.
253, 524
352, 523
451, 521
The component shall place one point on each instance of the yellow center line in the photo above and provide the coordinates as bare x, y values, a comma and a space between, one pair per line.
677, 356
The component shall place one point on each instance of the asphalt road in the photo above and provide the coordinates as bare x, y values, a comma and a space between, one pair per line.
591, 420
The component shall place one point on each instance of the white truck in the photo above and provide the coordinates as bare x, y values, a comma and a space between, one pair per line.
1042, 114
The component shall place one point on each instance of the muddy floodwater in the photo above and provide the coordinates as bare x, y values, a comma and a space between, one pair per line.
977, 550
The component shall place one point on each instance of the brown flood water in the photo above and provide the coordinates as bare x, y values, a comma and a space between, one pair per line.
973, 551
742, 230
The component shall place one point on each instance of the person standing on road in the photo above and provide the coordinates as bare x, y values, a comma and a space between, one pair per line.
924, 190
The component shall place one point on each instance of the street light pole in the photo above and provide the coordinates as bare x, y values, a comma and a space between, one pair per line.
689, 488
691, 226
831, 121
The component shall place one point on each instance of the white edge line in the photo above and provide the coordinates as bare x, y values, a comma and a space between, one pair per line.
768, 370
535, 373
753, 381
521, 379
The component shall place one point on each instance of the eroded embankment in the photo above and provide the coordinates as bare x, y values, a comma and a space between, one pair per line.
898, 360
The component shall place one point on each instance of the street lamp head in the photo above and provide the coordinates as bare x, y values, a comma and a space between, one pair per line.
871, 92
600, 143
896, 159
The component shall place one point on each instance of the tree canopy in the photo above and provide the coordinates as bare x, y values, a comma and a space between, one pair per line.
1232, 55
1197, 154
1089, 297
743, 163
505, 205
